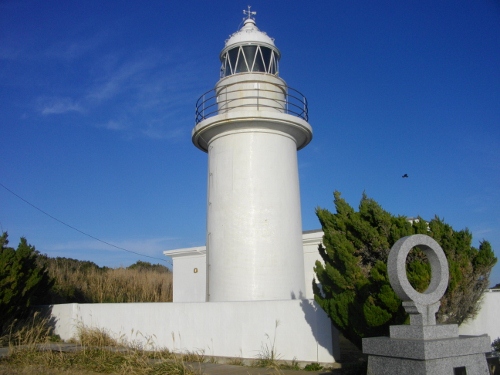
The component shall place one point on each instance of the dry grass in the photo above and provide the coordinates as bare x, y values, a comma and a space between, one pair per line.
198, 356
95, 360
40, 370
268, 355
237, 361
96, 353
95, 337
94, 285
35, 329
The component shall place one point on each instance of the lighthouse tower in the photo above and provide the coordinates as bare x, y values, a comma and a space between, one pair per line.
251, 125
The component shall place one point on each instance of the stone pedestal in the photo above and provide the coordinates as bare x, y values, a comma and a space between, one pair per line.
424, 347
389, 356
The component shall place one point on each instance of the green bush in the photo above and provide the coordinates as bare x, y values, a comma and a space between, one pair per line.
146, 266
354, 286
23, 283
313, 366
496, 345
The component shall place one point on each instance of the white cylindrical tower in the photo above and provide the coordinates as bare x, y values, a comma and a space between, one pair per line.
252, 125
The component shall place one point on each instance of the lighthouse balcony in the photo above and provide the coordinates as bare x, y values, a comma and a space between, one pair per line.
251, 94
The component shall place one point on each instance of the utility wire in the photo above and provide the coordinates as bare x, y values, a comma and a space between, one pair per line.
76, 229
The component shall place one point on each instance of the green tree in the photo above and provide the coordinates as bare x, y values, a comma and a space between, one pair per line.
23, 283
146, 266
495, 345
354, 288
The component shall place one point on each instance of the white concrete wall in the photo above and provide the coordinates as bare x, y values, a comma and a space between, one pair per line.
226, 329
487, 320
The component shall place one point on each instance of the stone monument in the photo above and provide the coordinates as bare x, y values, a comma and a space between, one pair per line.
424, 347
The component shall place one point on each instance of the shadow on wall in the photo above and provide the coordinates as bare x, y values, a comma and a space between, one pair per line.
322, 329
45, 312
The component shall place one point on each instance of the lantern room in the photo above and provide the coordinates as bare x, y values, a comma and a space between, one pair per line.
249, 50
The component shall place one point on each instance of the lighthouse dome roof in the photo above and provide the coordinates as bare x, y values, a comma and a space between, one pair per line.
249, 34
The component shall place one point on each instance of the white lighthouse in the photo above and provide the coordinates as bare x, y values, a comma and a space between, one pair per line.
252, 269
251, 125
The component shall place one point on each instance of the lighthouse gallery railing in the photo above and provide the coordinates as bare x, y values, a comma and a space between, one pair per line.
279, 98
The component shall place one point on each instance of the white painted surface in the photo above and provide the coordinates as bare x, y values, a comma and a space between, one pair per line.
190, 277
487, 320
66, 320
310, 243
254, 226
254, 220
249, 34
251, 91
189, 288
227, 329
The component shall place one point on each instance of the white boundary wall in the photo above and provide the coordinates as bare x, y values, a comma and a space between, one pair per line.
223, 329
487, 320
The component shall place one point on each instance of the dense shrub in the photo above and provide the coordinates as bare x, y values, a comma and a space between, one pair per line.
23, 282
354, 285
146, 266
496, 345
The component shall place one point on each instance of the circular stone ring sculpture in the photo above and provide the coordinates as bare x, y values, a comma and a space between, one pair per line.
423, 347
426, 303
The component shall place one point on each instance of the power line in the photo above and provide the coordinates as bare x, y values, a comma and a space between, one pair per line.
76, 229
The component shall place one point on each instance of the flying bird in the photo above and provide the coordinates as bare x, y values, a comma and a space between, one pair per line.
405, 175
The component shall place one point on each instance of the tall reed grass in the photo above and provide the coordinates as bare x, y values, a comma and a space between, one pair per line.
28, 331
79, 282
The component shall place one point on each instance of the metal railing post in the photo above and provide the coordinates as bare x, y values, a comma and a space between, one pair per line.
203, 115
304, 110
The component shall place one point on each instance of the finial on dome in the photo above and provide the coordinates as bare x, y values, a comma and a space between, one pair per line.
249, 14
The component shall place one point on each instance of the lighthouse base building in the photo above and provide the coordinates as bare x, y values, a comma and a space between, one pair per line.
298, 328
190, 273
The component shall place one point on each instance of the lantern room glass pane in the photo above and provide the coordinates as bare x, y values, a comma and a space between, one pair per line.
225, 68
273, 68
266, 54
233, 56
249, 52
259, 65
249, 58
241, 65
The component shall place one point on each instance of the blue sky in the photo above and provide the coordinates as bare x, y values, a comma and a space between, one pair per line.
97, 107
